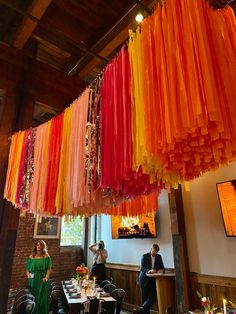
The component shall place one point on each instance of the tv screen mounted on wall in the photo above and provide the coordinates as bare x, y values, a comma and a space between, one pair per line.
227, 197
134, 227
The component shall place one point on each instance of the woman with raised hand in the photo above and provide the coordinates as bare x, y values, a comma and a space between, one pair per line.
100, 256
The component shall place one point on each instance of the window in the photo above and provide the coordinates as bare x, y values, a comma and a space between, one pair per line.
72, 231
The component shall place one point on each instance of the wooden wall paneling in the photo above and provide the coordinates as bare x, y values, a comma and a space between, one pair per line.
127, 280
125, 277
193, 298
215, 287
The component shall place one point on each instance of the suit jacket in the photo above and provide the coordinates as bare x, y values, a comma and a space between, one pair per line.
146, 265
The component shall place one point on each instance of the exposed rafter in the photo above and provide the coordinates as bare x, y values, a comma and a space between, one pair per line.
75, 37
35, 20
113, 44
28, 25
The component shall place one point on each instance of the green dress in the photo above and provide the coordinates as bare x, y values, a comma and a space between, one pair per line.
40, 290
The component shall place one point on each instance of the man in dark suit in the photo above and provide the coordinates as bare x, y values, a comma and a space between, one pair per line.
151, 263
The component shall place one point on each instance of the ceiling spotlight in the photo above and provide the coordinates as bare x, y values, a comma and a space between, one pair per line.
139, 17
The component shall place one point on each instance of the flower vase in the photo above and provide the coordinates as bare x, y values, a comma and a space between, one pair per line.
85, 289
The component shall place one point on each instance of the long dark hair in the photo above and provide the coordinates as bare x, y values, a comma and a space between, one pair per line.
44, 249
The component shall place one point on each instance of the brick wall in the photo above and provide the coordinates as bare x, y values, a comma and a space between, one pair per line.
64, 259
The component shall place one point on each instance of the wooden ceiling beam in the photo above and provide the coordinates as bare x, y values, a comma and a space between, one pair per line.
113, 44
45, 84
106, 51
37, 9
55, 38
68, 31
48, 27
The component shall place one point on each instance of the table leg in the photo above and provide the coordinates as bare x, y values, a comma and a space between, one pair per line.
165, 293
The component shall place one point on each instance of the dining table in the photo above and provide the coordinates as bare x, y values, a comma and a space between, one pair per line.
76, 299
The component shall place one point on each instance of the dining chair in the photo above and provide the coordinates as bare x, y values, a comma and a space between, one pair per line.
20, 297
62, 311
110, 279
118, 294
109, 287
56, 298
24, 297
20, 293
104, 282
56, 288
26, 307
93, 306
54, 284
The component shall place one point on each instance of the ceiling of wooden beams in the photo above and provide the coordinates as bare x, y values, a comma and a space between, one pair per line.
43, 113
77, 37
2, 92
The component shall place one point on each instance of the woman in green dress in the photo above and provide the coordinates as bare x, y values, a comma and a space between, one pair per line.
38, 270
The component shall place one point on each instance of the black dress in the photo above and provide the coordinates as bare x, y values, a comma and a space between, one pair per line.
98, 269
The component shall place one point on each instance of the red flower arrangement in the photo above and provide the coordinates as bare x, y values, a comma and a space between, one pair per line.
81, 271
206, 303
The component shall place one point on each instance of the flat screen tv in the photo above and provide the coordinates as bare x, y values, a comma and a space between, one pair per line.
227, 197
134, 227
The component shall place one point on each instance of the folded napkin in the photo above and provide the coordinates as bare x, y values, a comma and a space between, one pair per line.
104, 294
72, 291
67, 282
75, 296
91, 297
99, 290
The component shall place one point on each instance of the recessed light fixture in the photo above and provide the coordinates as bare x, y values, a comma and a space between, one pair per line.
142, 11
139, 17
